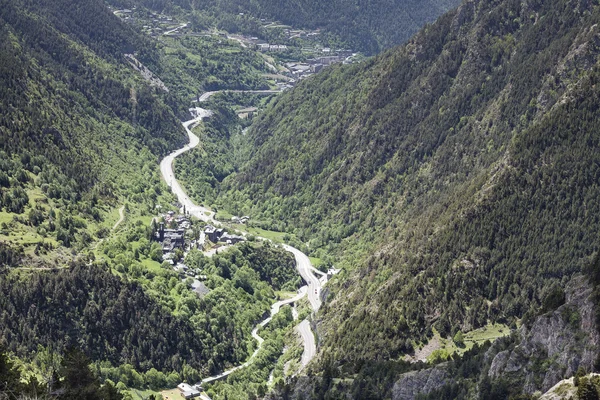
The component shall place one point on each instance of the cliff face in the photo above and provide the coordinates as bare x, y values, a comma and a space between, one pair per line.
557, 344
413, 383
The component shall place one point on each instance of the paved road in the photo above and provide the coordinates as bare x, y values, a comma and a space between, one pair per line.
166, 169
310, 348
237, 39
274, 310
175, 30
208, 95
305, 269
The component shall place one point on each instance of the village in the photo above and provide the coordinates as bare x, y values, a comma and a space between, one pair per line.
298, 54
178, 234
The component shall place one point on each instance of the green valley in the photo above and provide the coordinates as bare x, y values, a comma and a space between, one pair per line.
441, 198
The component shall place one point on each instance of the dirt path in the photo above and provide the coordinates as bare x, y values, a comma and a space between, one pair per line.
121, 217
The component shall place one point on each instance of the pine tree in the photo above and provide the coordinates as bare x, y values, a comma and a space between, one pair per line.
79, 381
9, 375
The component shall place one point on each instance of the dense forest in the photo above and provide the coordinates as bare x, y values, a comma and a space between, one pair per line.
462, 162
78, 126
92, 309
74, 379
117, 322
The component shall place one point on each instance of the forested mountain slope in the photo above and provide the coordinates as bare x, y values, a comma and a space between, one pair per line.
368, 26
466, 159
78, 125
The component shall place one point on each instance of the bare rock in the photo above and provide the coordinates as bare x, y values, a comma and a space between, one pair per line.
413, 383
557, 344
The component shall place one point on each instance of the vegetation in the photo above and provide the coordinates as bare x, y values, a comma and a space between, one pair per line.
73, 380
448, 163
194, 65
366, 26
81, 134
451, 178
79, 130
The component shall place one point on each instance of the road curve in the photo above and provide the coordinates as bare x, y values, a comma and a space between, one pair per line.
310, 348
166, 169
121, 217
305, 269
274, 310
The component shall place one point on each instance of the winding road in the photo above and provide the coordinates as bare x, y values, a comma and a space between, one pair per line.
166, 169
303, 265
305, 270
274, 310
208, 95
310, 348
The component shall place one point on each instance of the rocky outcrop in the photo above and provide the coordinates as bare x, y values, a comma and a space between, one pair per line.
413, 383
557, 344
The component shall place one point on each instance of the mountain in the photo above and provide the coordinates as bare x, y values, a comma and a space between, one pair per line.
455, 178
366, 25
78, 124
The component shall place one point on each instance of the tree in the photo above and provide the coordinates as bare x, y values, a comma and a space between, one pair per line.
459, 339
79, 381
587, 390
110, 392
10, 377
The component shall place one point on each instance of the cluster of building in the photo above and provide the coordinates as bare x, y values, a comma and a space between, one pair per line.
266, 47
301, 70
171, 239
219, 235
189, 391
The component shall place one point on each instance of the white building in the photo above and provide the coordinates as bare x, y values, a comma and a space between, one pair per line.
189, 392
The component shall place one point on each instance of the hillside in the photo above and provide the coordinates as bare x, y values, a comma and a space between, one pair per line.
79, 128
454, 181
454, 177
83, 280
367, 26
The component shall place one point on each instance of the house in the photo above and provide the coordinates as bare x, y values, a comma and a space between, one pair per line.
231, 239
213, 234
316, 68
245, 113
200, 288
240, 220
170, 238
189, 392
277, 47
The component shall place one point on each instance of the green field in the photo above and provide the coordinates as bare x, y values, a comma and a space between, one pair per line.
223, 215
6, 217
151, 265
315, 261
271, 235
111, 218
489, 332
137, 394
